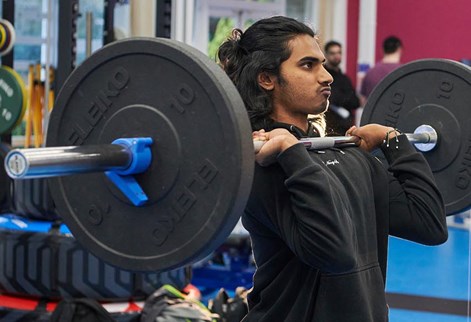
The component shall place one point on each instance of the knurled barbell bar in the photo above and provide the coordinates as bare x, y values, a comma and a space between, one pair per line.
124, 156
424, 139
182, 111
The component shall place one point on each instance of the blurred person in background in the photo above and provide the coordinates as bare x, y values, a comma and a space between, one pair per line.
343, 101
392, 51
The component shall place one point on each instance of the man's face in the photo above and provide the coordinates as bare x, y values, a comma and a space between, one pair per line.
304, 84
334, 55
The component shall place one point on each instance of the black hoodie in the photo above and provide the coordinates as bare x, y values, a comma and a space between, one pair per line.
319, 223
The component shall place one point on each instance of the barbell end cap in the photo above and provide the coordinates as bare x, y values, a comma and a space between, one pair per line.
16, 165
432, 138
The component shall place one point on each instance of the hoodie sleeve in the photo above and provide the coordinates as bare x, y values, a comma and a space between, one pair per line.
417, 210
306, 210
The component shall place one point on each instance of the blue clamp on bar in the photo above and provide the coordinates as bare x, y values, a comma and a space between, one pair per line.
141, 159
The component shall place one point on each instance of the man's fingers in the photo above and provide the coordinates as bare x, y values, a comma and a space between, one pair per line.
350, 130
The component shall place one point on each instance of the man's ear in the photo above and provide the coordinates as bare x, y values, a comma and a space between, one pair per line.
266, 81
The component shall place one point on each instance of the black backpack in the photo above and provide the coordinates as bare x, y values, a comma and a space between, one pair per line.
230, 309
167, 304
80, 310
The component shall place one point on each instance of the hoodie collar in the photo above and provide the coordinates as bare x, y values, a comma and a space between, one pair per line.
296, 131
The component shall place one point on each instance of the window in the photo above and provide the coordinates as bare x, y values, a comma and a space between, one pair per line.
214, 19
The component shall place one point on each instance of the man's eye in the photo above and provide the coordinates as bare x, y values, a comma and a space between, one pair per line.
307, 65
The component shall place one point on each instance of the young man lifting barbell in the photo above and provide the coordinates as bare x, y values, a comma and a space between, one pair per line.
319, 221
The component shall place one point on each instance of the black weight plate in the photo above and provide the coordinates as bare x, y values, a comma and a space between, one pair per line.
436, 92
202, 167
5, 181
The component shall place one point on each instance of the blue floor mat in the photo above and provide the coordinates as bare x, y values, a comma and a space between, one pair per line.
436, 274
439, 271
396, 315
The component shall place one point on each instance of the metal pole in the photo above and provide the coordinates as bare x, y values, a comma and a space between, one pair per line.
47, 79
58, 161
88, 33
108, 23
67, 40
8, 13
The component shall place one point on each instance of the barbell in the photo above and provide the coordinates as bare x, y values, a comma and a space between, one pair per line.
151, 155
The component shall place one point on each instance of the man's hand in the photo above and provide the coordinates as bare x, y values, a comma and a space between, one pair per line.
276, 141
371, 135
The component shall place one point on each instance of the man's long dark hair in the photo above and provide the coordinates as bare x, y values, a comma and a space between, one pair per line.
261, 48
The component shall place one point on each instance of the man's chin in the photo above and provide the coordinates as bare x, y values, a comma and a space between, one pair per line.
320, 110
324, 107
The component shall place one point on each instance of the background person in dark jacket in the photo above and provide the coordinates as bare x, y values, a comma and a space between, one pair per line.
343, 101
319, 220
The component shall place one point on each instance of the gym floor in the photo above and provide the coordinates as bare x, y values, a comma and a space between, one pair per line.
429, 283
424, 284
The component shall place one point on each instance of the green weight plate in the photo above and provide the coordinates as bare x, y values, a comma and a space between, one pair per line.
12, 100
